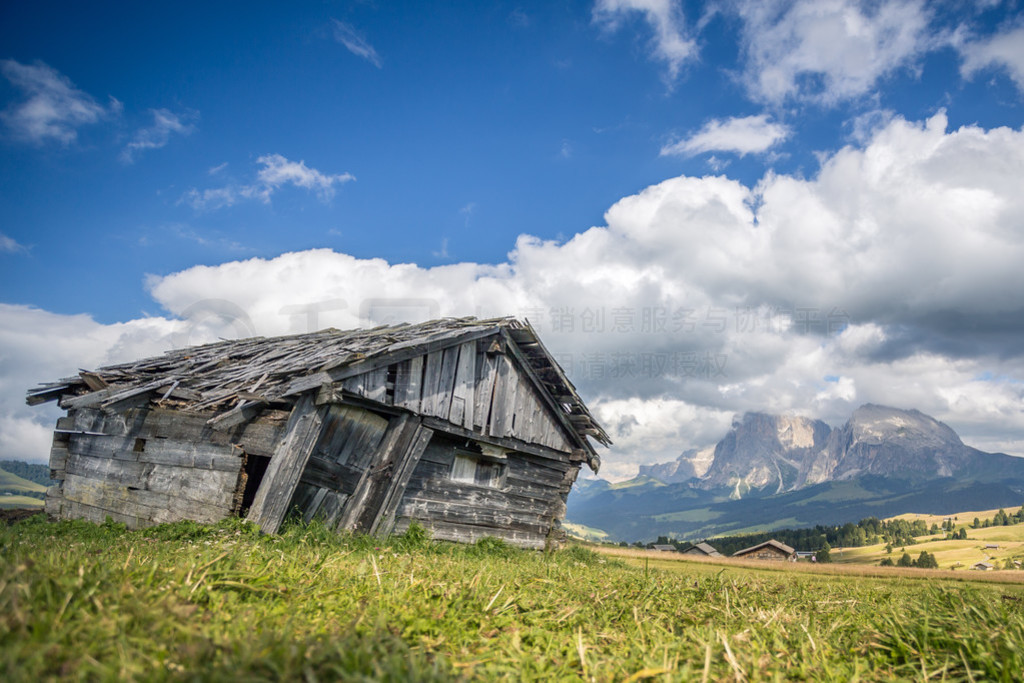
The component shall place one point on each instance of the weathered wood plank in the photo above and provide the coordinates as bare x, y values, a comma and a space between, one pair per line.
395, 353
464, 533
463, 404
208, 487
147, 507
409, 384
375, 387
484, 391
554, 408
330, 475
365, 504
159, 451
444, 490
287, 464
431, 382
446, 383
331, 507
503, 404
429, 511
406, 464
366, 434
507, 443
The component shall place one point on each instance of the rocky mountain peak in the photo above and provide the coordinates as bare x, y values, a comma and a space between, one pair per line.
777, 453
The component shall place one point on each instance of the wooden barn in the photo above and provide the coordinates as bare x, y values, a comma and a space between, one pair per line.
468, 426
769, 550
702, 550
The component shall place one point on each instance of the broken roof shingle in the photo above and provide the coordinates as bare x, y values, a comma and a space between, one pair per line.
229, 374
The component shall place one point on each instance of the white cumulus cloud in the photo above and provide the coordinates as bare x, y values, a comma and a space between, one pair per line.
52, 107
891, 277
276, 172
670, 43
741, 135
828, 51
1004, 50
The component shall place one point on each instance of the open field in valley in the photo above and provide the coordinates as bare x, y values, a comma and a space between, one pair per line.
184, 601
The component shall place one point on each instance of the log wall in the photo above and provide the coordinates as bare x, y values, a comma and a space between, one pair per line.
522, 509
148, 466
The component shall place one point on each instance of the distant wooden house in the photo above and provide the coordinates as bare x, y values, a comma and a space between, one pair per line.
983, 566
661, 547
992, 546
703, 550
769, 550
467, 426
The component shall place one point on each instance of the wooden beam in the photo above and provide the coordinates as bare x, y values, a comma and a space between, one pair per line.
384, 520
510, 443
378, 468
287, 464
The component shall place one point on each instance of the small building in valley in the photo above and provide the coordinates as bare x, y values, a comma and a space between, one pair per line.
702, 550
983, 566
664, 548
467, 426
769, 550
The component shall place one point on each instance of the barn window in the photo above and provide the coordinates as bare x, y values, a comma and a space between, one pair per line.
473, 468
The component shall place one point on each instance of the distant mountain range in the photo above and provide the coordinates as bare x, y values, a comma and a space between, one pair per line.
775, 471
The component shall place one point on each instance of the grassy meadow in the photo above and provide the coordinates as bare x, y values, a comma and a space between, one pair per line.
13, 490
185, 601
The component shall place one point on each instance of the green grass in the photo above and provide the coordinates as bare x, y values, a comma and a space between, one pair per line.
185, 601
585, 533
16, 484
16, 502
695, 515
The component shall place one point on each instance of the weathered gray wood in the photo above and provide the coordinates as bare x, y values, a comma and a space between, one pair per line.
375, 387
538, 499
465, 533
286, 465
374, 486
331, 507
503, 404
135, 396
147, 507
484, 391
89, 400
446, 383
330, 475
208, 487
406, 464
554, 408
509, 443
92, 380
430, 512
431, 382
237, 415
375, 468
409, 384
158, 451
308, 499
54, 503
463, 405
363, 438
46, 394
395, 353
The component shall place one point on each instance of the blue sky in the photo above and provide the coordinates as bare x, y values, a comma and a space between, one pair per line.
156, 156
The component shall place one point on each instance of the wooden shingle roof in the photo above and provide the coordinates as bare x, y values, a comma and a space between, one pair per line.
226, 376
778, 545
